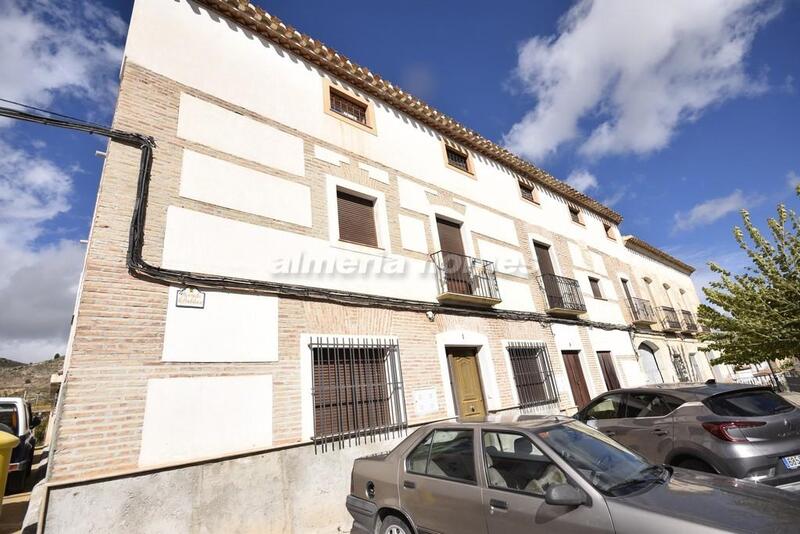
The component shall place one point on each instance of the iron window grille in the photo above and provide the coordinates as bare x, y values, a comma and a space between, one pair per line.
349, 108
357, 393
575, 214
681, 370
533, 373
526, 192
457, 159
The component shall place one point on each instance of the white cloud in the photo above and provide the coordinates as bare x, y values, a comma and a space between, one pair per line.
582, 180
37, 283
714, 209
52, 48
641, 68
793, 179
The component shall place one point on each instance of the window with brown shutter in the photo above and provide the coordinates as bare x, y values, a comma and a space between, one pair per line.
595, 283
357, 391
356, 219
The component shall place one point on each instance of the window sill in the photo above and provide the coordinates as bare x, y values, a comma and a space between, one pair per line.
347, 120
360, 247
462, 171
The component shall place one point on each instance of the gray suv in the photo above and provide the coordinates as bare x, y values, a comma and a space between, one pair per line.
731, 429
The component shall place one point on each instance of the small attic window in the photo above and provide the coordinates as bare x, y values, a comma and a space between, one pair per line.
348, 106
609, 230
575, 214
352, 109
457, 158
527, 193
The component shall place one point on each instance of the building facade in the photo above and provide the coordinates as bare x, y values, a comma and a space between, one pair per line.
321, 263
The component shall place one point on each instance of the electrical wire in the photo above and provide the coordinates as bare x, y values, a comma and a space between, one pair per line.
139, 268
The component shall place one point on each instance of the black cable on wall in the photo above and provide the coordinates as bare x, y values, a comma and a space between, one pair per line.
139, 268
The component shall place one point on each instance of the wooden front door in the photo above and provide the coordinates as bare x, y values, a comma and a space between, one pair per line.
455, 262
609, 372
577, 382
466, 380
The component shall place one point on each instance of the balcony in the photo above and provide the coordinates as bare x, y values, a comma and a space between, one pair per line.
563, 295
464, 280
670, 321
642, 312
689, 324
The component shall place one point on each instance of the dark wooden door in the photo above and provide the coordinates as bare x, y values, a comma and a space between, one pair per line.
466, 382
456, 265
577, 382
609, 372
626, 289
554, 299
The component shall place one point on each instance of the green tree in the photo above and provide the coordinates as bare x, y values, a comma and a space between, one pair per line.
756, 314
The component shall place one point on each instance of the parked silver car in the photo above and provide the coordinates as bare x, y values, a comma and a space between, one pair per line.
529, 474
737, 430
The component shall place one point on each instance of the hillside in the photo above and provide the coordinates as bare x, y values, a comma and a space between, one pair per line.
5, 362
18, 379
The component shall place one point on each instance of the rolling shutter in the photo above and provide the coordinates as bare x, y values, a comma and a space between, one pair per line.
356, 219
450, 236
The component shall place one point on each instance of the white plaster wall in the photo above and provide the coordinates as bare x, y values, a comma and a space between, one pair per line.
216, 127
204, 243
226, 184
412, 234
516, 296
204, 417
238, 67
232, 327
506, 260
247, 71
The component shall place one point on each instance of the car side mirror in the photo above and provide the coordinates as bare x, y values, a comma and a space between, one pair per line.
36, 421
564, 495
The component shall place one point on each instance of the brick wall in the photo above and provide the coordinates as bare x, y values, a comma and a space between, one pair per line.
120, 320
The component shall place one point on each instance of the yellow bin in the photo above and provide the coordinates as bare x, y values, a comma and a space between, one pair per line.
7, 444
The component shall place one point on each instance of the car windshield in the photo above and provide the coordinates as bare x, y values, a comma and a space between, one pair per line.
9, 417
604, 463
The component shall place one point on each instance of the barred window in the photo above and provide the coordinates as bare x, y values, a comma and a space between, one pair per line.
457, 159
352, 109
357, 392
575, 214
533, 374
527, 192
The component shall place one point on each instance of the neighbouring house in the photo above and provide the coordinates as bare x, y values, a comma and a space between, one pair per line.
323, 262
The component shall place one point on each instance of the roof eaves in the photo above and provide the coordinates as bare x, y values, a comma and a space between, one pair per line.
634, 242
328, 59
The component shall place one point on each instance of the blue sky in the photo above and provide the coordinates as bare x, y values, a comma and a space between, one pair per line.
676, 113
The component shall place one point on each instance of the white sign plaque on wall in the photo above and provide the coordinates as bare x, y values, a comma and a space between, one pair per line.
425, 402
190, 297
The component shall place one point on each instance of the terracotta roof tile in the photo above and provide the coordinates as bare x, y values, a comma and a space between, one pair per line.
272, 28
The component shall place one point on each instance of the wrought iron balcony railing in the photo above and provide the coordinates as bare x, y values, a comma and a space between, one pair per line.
689, 324
464, 279
563, 294
642, 311
669, 319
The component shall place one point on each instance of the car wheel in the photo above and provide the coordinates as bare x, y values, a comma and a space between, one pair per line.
394, 525
696, 465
